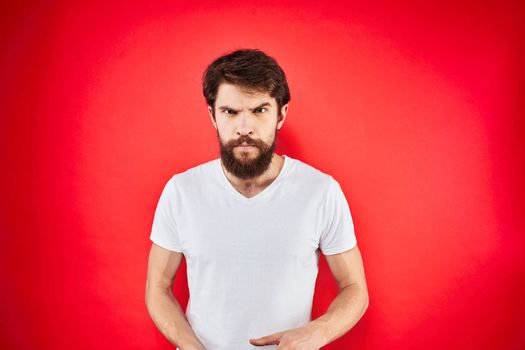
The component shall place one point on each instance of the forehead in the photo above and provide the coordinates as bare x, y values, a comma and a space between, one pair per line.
241, 96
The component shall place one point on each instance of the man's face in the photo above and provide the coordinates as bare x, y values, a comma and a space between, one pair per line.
246, 118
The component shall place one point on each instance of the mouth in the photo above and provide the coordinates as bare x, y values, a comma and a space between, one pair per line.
245, 147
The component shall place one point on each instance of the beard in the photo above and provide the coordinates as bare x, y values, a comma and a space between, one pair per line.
247, 164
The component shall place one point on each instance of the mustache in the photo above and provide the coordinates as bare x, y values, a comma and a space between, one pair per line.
244, 139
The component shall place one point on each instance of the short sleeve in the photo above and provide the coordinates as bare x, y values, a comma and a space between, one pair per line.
164, 229
338, 233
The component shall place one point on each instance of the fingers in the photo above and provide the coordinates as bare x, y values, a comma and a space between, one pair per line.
272, 339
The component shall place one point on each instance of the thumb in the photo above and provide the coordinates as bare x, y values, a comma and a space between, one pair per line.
272, 339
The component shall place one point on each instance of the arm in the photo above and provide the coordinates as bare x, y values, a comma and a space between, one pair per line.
344, 311
352, 299
162, 306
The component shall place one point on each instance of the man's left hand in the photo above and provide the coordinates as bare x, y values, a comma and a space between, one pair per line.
302, 338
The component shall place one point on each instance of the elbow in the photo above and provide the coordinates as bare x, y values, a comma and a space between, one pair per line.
366, 301
147, 298
362, 297
154, 293
147, 293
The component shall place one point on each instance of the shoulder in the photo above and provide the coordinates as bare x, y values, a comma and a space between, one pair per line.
309, 175
195, 175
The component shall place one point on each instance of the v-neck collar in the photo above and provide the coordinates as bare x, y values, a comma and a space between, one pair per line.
259, 195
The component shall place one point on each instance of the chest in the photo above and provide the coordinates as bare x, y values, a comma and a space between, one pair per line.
249, 231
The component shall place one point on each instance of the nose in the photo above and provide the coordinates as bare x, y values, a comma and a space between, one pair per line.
245, 126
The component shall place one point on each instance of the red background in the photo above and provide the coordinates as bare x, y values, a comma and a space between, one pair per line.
417, 110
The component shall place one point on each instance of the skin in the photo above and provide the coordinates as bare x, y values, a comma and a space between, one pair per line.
257, 126
243, 116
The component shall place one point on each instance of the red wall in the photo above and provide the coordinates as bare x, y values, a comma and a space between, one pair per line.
417, 110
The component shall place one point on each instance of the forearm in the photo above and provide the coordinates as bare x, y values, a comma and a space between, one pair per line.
342, 314
169, 318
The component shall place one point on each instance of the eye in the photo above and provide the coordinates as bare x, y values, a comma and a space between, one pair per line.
228, 111
260, 110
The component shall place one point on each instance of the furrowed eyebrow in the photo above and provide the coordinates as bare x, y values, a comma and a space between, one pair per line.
226, 107
262, 105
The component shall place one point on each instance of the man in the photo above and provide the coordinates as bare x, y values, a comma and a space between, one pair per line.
250, 225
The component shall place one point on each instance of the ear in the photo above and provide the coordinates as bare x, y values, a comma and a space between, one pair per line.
282, 117
214, 122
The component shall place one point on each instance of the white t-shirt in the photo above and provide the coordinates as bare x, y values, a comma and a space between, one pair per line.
251, 262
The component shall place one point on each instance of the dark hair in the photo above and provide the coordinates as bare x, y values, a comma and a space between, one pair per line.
249, 68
